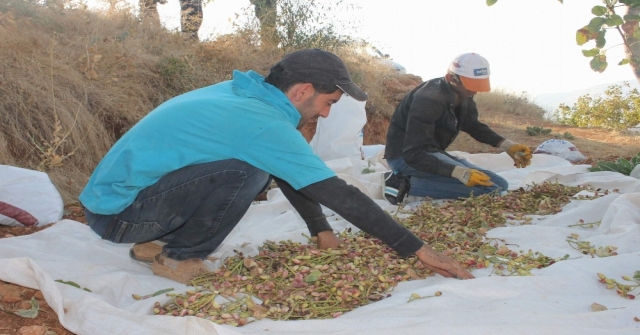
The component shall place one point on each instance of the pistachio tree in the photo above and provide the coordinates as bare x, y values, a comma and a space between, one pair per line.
608, 16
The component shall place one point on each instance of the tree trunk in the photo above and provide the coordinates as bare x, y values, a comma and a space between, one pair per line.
633, 44
190, 17
149, 11
266, 12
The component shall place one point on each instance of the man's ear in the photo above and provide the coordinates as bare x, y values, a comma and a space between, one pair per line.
300, 92
447, 77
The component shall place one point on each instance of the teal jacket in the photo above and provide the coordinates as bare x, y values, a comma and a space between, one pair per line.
245, 119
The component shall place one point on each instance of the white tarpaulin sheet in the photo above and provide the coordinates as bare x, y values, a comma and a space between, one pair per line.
556, 300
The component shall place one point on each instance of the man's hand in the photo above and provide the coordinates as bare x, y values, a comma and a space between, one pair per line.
520, 153
442, 264
327, 239
471, 177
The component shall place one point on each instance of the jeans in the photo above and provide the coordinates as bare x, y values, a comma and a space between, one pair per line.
192, 209
435, 186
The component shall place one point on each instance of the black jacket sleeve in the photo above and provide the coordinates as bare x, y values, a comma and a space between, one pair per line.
309, 210
355, 207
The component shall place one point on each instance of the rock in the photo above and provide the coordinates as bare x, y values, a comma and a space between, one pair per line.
32, 330
10, 294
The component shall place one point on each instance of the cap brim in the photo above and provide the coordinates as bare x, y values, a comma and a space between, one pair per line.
476, 85
354, 91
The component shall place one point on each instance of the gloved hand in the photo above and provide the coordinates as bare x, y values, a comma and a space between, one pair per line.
520, 153
470, 177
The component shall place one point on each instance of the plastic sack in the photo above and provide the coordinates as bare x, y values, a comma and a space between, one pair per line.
340, 134
28, 198
560, 148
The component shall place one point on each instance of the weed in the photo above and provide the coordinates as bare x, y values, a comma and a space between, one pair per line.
537, 130
50, 152
621, 165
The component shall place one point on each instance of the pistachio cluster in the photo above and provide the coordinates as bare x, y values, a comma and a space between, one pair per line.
623, 290
297, 281
586, 248
290, 280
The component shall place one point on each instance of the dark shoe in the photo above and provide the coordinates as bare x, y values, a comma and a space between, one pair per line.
146, 252
180, 271
395, 187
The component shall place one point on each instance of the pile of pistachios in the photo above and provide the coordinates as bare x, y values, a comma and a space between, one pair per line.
290, 280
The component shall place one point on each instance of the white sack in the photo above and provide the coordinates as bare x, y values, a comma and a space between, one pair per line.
560, 148
340, 134
28, 198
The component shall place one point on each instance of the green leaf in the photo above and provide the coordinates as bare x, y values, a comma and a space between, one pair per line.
614, 20
582, 36
29, 313
636, 275
491, 2
599, 63
608, 166
599, 10
313, 276
596, 24
591, 52
625, 165
140, 297
630, 17
600, 40
624, 61
72, 284
636, 34
68, 283
630, 2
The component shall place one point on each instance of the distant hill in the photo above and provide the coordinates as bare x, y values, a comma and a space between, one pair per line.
551, 101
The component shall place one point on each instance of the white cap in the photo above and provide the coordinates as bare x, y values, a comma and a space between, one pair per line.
473, 70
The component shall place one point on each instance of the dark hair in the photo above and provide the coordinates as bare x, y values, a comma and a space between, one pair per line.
284, 80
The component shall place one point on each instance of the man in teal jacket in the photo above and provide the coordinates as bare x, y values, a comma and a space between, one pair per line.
189, 170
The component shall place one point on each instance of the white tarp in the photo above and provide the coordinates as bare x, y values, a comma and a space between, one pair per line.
556, 300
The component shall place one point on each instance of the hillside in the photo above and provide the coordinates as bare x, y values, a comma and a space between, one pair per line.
74, 81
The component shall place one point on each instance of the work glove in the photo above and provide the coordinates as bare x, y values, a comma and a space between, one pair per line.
520, 153
470, 177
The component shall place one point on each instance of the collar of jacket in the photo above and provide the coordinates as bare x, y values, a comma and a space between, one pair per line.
250, 84
450, 94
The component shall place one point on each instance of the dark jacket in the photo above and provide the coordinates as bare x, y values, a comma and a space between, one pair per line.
427, 121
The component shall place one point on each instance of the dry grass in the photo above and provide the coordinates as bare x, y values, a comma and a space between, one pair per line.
510, 118
74, 81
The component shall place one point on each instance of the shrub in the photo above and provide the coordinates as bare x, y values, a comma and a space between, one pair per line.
537, 130
616, 110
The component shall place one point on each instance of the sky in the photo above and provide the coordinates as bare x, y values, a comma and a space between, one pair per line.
530, 44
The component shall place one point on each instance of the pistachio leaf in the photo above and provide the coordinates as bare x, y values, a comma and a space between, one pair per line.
313, 276
614, 20
599, 10
31, 313
582, 36
596, 24
591, 52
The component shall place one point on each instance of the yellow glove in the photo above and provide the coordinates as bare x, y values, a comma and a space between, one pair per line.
520, 153
471, 177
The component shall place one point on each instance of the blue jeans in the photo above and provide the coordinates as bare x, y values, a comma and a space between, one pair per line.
192, 209
440, 187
